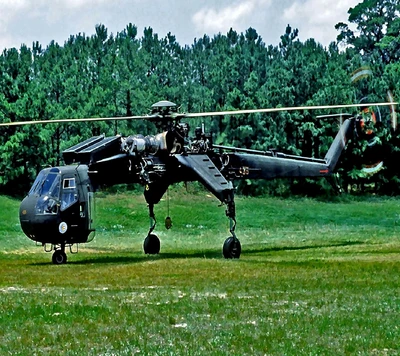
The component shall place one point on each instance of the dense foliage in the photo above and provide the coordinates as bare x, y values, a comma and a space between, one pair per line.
113, 75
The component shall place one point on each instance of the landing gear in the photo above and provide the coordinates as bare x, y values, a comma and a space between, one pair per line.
153, 193
231, 248
59, 256
151, 245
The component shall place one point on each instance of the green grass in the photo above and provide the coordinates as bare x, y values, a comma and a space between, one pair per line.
314, 278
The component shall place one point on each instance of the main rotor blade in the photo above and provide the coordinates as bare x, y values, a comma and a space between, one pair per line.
66, 121
297, 108
193, 115
334, 116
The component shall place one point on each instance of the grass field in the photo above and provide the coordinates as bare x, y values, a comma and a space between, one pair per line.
314, 278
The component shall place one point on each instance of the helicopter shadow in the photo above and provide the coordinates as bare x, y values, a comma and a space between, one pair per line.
136, 257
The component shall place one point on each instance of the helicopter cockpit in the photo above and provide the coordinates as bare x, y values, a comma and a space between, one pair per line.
47, 187
59, 207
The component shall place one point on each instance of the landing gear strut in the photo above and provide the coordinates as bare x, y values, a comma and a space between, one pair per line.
231, 247
151, 244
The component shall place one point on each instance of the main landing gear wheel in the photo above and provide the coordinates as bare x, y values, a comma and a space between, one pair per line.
59, 257
151, 245
231, 248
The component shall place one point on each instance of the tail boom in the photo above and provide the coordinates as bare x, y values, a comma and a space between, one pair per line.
250, 164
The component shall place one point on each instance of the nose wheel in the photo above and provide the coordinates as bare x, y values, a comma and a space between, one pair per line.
59, 257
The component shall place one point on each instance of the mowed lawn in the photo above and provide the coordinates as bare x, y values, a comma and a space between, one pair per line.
314, 278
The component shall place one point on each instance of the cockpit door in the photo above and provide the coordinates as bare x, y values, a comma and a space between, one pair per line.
91, 211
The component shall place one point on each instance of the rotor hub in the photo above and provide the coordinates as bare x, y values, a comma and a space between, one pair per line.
164, 108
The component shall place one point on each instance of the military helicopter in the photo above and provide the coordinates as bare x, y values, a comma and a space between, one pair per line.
58, 210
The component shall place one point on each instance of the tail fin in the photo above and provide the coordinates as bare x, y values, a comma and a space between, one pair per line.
345, 133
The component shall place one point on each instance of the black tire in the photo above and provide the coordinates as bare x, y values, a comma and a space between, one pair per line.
231, 248
151, 245
59, 257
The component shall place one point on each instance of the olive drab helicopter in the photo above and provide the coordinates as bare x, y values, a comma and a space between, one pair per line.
58, 210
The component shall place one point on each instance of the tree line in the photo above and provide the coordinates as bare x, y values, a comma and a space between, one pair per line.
106, 75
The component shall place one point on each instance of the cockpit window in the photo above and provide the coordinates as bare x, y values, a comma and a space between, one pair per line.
36, 186
47, 184
69, 183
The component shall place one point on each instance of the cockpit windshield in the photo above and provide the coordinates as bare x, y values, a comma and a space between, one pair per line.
47, 183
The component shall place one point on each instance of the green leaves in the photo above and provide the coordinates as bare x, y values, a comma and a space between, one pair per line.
377, 23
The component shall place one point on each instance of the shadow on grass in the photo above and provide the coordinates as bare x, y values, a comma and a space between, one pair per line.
299, 248
210, 254
138, 257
